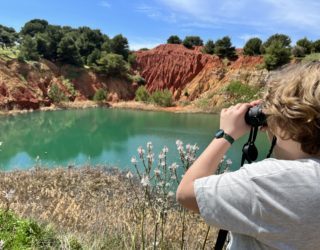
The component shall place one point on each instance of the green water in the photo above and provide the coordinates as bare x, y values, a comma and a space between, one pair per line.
104, 136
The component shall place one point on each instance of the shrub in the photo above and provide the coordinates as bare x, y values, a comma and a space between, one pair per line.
191, 41
100, 95
223, 48
112, 64
174, 40
139, 79
241, 92
306, 44
56, 94
298, 51
276, 55
312, 57
316, 46
252, 47
162, 98
70, 87
17, 233
142, 95
209, 47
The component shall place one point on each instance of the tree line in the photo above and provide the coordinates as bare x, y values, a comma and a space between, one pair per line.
277, 49
63, 44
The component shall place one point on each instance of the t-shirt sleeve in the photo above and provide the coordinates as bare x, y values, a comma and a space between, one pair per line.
228, 202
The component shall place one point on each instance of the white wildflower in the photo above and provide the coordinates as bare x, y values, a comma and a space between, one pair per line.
140, 151
173, 166
163, 164
129, 175
134, 160
173, 177
145, 181
168, 184
170, 194
188, 146
149, 145
165, 149
161, 156
195, 147
157, 171
229, 162
9, 195
179, 143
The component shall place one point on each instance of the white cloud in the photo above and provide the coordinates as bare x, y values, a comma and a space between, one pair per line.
105, 4
271, 15
156, 13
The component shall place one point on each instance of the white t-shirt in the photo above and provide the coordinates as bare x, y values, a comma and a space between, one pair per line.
271, 204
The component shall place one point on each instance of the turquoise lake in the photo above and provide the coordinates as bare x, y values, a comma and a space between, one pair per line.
103, 136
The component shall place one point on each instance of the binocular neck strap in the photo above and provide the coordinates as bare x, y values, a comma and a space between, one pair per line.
273, 143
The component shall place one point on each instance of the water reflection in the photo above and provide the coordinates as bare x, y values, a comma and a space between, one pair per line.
97, 136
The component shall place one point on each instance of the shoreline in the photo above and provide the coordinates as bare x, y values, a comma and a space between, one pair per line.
133, 105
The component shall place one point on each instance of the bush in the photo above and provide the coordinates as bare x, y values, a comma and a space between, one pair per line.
276, 55
312, 57
142, 95
252, 47
18, 233
100, 95
112, 64
209, 47
306, 44
316, 46
298, 51
162, 98
241, 92
139, 79
56, 94
223, 48
191, 41
174, 40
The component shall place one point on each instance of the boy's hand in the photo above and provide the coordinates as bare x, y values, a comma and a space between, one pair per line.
232, 119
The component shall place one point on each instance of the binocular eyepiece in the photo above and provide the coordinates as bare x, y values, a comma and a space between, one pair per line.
255, 117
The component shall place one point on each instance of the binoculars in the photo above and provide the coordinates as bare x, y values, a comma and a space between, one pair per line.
255, 117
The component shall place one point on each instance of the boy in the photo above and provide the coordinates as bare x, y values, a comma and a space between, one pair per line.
274, 203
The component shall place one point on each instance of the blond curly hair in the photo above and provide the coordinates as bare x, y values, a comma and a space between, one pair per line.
292, 104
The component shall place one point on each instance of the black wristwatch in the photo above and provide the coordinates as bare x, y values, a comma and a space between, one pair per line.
221, 134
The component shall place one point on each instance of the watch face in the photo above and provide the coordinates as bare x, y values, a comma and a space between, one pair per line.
219, 133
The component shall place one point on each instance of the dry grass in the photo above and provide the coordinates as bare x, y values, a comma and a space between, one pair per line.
98, 207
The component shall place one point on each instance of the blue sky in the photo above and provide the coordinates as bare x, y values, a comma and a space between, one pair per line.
147, 23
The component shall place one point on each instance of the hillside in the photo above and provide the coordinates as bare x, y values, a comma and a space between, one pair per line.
189, 74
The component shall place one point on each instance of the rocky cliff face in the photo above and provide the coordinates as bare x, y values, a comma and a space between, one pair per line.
26, 85
182, 70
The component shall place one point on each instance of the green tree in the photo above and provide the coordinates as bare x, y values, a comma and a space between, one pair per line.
282, 39
209, 47
88, 40
252, 47
174, 39
33, 27
8, 36
191, 41
223, 48
28, 49
316, 46
276, 55
112, 64
94, 57
68, 52
298, 51
306, 44
142, 95
119, 45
